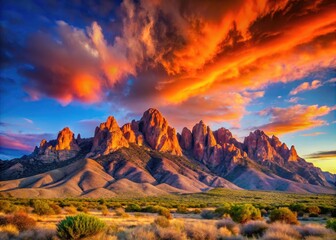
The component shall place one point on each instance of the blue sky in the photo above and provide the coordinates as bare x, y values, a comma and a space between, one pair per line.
70, 64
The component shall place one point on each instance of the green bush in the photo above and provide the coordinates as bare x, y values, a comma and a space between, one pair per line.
79, 226
331, 223
133, 208
223, 210
298, 207
244, 213
284, 215
42, 208
182, 209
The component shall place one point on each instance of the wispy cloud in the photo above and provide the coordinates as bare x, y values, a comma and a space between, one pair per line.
28, 120
313, 134
322, 155
22, 141
306, 86
294, 118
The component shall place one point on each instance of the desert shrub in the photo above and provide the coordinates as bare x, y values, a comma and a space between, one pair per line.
313, 211
162, 221
165, 212
170, 233
42, 207
229, 225
21, 220
224, 233
223, 211
79, 226
83, 209
244, 213
208, 214
57, 209
200, 231
141, 233
5, 206
133, 208
298, 207
104, 210
8, 231
313, 230
197, 211
284, 215
281, 231
182, 209
70, 209
120, 212
102, 201
254, 228
331, 223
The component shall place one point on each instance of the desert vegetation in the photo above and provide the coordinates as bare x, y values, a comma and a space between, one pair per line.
211, 215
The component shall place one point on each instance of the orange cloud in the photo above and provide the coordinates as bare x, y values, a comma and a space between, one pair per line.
306, 87
175, 54
294, 119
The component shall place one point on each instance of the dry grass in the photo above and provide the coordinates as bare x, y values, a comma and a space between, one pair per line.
281, 231
315, 230
142, 226
229, 225
8, 231
254, 228
200, 231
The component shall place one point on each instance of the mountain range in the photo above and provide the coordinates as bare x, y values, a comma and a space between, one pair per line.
148, 157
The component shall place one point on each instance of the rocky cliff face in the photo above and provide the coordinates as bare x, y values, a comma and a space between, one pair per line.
260, 147
158, 134
132, 134
63, 148
108, 138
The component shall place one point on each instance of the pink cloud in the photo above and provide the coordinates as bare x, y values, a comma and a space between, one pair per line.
306, 87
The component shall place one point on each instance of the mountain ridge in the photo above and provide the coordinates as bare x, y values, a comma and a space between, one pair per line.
151, 156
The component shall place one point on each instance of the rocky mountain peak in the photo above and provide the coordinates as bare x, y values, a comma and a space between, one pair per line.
259, 146
43, 143
66, 140
199, 133
186, 139
292, 156
108, 138
223, 135
157, 132
131, 132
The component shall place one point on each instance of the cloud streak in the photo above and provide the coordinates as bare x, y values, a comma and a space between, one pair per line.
306, 87
21, 141
294, 119
322, 155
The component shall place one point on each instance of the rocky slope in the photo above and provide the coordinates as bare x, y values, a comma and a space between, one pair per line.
148, 157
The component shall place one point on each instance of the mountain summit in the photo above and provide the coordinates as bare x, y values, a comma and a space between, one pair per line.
148, 157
